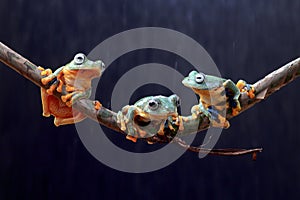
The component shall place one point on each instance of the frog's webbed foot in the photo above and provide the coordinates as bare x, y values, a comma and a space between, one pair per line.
68, 99
245, 87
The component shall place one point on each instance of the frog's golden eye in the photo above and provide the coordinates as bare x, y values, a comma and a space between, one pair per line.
79, 58
153, 104
199, 78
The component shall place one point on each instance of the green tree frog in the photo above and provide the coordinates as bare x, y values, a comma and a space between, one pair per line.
216, 95
149, 116
74, 80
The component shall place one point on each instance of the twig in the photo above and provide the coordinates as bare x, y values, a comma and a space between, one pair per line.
218, 152
263, 88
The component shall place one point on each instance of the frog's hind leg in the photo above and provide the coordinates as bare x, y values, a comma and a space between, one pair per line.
77, 117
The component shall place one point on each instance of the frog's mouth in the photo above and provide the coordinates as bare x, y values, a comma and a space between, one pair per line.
146, 120
89, 73
141, 121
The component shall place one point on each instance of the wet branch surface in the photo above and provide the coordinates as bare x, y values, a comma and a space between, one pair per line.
263, 88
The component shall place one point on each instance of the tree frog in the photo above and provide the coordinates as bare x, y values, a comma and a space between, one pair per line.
149, 116
216, 94
74, 80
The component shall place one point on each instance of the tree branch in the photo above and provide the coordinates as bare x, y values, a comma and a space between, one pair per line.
263, 88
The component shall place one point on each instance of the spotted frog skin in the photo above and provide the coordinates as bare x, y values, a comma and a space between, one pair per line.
216, 95
148, 116
81, 70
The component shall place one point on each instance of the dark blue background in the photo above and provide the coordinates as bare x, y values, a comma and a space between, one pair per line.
246, 39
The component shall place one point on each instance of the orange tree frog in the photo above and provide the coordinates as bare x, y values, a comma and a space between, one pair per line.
149, 116
216, 94
74, 81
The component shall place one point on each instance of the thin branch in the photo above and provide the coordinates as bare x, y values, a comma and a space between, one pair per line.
263, 88
218, 152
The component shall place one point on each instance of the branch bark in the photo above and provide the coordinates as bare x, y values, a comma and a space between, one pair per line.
263, 88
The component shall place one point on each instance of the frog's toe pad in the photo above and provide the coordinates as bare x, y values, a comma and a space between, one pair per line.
65, 98
46, 72
251, 93
40, 68
97, 105
226, 125
150, 142
46, 114
57, 122
45, 81
241, 84
51, 89
48, 80
235, 111
69, 103
131, 138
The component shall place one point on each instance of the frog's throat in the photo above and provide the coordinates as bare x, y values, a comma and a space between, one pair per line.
205, 90
89, 73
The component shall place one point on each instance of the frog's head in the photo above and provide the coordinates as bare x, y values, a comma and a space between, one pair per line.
159, 106
87, 67
200, 81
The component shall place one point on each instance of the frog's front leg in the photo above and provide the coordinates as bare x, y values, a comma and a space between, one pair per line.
198, 109
125, 119
74, 96
235, 103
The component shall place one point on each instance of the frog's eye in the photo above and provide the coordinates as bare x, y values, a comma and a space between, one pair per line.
79, 58
199, 78
153, 104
